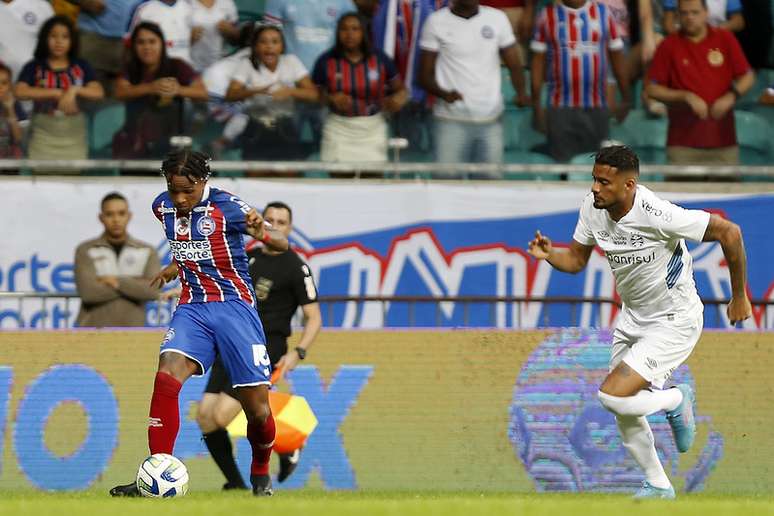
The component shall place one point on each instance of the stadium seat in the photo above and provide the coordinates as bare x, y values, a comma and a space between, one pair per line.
105, 123
518, 133
526, 157
640, 130
754, 135
250, 10
584, 158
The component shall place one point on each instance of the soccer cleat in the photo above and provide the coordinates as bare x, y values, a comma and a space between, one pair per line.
288, 463
228, 486
649, 491
682, 420
125, 490
261, 485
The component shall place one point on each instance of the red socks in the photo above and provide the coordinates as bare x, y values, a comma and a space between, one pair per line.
164, 420
261, 440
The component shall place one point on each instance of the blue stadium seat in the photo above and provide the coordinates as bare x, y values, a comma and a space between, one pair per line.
105, 123
518, 133
754, 135
250, 10
526, 157
640, 130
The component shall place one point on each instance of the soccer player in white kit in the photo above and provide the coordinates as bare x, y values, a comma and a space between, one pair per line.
643, 238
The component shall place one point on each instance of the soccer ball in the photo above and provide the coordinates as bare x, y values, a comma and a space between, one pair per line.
162, 476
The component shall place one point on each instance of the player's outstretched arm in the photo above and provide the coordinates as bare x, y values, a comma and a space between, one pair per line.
257, 229
572, 259
730, 237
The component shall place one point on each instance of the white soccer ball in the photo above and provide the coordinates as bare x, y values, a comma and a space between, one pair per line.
162, 476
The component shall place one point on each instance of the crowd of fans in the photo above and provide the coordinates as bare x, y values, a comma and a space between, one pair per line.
334, 78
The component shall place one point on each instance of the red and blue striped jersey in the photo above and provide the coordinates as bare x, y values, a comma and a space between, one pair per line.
208, 247
576, 41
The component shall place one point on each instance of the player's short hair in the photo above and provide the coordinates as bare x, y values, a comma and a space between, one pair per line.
186, 162
112, 196
621, 157
281, 206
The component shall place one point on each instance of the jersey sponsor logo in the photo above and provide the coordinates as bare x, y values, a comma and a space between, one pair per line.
623, 259
636, 240
656, 212
487, 32
715, 57
190, 250
206, 226
183, 226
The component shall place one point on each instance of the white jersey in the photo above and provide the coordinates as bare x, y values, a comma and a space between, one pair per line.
176, 22
209, 48
646, 251
20, 21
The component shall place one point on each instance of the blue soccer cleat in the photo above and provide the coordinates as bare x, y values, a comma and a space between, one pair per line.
649, 491
682, 420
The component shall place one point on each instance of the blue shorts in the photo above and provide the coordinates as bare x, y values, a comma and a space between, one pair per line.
231, 329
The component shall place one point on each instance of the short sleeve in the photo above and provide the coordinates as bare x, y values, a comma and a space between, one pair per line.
505, 36
669, 5
659, 66
232, 14
320, 74
297, 69
429, 40
304, 288
184, 74
677, 222
733, 7
615, 42
234, 210
739, 63
243, 72
27, 74
539, 41
583, 234
88, 72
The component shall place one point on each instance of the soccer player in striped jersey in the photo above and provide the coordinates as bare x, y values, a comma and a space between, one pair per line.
216, 313
643, 238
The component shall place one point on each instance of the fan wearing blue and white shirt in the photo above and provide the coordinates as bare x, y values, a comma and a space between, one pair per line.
643, 238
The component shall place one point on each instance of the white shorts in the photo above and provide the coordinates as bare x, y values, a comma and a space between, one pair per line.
655, 350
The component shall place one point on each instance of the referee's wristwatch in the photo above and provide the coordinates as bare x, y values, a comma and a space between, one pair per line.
301, 352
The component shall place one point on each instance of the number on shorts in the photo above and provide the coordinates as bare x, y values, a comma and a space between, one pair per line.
260, 356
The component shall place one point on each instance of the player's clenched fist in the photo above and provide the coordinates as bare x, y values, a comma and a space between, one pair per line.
255, 226
540, 246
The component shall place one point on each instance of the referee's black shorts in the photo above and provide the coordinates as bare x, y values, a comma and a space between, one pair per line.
276, 346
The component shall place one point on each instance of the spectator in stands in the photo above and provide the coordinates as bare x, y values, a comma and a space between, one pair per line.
56, 79
270, 82
725, 14
154, 86
572, 43
102, 25
700, 72
397, 27
20, 22
358, 84
460, 64
310, 29
217, 20
11, 113
113, 272
175, 17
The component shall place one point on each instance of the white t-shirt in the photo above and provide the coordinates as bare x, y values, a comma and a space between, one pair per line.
20, 22
468, 61
289, 71
646, 251
218, 76
176, 22
210, 47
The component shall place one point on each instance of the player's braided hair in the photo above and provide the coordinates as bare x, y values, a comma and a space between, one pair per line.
185, 162
621, 157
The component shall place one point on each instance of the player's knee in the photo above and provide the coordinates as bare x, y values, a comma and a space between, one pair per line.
221, 419
258, 414
205, 420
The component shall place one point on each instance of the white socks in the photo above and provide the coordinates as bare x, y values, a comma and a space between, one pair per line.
644, 403
638, 439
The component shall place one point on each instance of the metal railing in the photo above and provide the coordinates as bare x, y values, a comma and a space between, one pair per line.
396, 169
329, 305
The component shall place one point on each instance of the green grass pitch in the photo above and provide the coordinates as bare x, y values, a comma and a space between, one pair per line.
367, 503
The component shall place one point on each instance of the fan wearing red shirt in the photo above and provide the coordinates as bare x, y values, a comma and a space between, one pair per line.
699, 73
